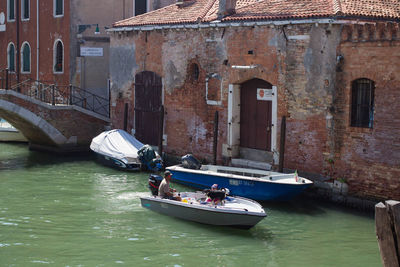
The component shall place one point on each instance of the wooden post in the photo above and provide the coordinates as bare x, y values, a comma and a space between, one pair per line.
282, 144
387, 227
161, 127
215, 137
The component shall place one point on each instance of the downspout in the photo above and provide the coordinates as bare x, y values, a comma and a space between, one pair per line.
18, 49
37, 40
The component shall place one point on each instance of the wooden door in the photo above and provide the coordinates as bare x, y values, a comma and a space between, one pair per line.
148, 103
255, 116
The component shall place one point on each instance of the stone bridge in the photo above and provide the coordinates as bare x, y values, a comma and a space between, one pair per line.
56, 126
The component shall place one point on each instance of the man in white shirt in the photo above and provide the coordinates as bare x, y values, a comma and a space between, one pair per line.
164, 190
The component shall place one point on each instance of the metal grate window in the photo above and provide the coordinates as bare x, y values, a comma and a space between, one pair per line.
362, 103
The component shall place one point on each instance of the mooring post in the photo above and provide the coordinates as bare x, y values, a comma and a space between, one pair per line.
215, 137
161, 127
387, 227
282, 144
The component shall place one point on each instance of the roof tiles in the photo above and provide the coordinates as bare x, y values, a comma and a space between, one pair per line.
195, 11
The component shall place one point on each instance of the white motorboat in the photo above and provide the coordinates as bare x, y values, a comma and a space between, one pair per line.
198, 207
119, 149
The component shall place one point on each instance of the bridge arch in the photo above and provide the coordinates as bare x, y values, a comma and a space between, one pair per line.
33, 127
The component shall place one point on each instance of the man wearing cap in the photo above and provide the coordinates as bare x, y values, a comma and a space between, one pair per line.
164, 190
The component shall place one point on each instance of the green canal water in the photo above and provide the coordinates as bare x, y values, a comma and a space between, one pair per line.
71, 211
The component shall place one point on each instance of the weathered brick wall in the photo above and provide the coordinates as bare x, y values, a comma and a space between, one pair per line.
369, 158
301, 60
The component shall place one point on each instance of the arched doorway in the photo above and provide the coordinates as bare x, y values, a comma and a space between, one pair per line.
256, 114
148, 86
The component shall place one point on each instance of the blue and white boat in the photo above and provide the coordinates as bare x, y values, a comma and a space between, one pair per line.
249, 183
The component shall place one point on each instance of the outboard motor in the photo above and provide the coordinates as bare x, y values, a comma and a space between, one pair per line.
150, 160
190, 162
154, 183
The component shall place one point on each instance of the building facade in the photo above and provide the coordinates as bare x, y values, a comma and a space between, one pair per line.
62, 42
328, 67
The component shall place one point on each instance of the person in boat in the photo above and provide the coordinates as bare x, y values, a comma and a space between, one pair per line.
164, 190
214, 195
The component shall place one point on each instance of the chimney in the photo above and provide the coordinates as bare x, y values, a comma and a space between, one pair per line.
226, 7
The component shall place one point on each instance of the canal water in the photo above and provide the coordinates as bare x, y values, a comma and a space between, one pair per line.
71, 211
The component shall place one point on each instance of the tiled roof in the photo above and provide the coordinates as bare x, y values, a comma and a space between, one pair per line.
195, 11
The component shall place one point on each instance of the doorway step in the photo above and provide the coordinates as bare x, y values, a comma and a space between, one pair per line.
253, 158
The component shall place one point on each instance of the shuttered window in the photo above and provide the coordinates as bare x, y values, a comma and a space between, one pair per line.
25, 9
58, 66
11, 10
362, 103
26, 58
11, 57
58, 7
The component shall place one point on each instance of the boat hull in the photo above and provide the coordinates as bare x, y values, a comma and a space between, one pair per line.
257, 189
204, 215
116, 163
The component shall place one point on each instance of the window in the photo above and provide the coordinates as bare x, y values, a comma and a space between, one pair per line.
140, 7
11, 57
58, 56
25, 9
194, 72
10, 10
362, 103
58, 8
26, 58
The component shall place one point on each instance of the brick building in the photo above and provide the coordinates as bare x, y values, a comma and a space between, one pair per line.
330, 67
62, 42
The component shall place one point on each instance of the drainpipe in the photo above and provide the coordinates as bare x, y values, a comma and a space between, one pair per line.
37, 40
18, 49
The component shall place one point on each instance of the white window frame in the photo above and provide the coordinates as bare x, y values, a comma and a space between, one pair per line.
23, 9
8, 57
22, 58
55, 56
147, 6
54, 9
8, 11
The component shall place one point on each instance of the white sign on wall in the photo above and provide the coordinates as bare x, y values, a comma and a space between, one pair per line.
264, 94
91, 51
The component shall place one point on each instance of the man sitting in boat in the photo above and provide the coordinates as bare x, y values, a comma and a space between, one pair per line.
164, 190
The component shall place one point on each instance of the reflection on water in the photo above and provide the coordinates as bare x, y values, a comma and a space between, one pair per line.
71, 211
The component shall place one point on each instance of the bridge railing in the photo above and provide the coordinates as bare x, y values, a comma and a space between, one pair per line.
7, 78
58, 94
